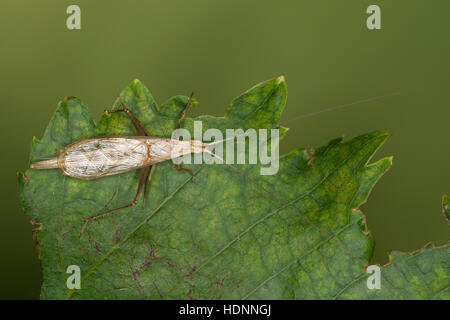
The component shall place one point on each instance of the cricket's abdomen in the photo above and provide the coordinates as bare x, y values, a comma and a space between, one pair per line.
100, 157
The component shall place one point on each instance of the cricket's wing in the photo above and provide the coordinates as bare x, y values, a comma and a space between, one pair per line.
100, 157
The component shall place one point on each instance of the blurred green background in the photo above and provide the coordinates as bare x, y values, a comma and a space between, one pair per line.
219, 49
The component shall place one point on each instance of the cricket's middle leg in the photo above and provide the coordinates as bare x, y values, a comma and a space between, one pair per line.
142, 178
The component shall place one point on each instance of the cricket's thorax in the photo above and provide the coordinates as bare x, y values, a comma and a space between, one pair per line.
99, 157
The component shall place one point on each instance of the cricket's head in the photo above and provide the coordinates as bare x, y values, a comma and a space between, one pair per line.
178, 148
198, 146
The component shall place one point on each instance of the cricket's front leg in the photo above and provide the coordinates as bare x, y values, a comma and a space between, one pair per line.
142, 178
188, 105
177, 168
137, 124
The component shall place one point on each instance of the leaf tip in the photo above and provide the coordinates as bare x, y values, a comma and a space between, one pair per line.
67, 98
385, 164
384, 136
390, 159
194, 102
136, 81
379, 135
283, 130
281, 79
65, 103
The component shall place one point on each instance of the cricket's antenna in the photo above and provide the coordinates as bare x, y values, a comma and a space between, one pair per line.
341, 106
227, 139
333, 108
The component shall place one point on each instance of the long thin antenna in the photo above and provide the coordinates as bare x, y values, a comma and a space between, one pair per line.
337, 107
341, 106
230, 138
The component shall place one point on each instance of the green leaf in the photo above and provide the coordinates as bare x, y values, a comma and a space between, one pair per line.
231, 234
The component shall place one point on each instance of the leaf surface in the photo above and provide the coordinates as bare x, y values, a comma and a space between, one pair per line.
231, 234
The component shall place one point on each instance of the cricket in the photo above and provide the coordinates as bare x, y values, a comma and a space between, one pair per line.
94, 158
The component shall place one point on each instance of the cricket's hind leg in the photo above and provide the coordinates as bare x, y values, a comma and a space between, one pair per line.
176, 166
142, 178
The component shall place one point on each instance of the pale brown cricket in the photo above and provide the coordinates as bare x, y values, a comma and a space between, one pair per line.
104, 156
